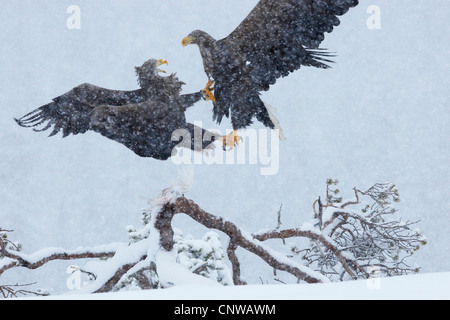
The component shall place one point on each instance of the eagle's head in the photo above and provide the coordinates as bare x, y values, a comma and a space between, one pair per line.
198, 37
149, 71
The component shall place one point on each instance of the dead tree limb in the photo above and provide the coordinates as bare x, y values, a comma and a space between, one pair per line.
238, 238
291, 233
17, 259
235, 264
110, 283
345, 242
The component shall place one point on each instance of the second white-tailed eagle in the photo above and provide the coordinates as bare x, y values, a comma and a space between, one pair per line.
143, 120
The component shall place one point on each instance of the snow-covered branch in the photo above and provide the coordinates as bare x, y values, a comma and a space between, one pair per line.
238, 238
347, 240
11, 258
313, 236
365, 231
38, 259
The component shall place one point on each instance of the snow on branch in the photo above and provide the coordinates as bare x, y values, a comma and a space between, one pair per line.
44, 256
13, 258
365, 231
347, 240
238, 238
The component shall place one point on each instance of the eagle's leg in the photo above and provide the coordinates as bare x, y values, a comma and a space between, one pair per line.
231, 140
207, 92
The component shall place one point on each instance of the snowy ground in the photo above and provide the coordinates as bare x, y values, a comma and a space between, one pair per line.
433, 286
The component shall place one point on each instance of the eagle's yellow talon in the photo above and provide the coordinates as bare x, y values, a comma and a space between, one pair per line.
207, 92
231, 140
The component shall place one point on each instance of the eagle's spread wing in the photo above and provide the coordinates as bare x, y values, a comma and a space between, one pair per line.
69, 115
279, 36
94, 95
70, 112
145, 127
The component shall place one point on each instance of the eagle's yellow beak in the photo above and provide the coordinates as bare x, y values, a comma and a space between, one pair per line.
187, 41
160, 63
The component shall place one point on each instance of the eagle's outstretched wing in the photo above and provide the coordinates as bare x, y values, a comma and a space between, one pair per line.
146, 128
69, 115
70, 112
278, 36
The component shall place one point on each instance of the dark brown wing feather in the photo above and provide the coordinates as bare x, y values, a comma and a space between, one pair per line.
70, 112
278, 36
69, 115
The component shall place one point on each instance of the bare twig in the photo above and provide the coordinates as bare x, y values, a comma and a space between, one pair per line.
366, 237
12, 291
279, 223
352, 202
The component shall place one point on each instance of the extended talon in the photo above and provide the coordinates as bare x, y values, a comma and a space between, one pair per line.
207, 92
231, 140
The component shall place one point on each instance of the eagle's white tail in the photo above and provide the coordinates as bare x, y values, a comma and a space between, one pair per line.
270, 111
181, 186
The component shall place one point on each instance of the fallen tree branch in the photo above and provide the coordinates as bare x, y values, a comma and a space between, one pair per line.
344, 244
110, 283
42, 257
238, 238
290, 233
